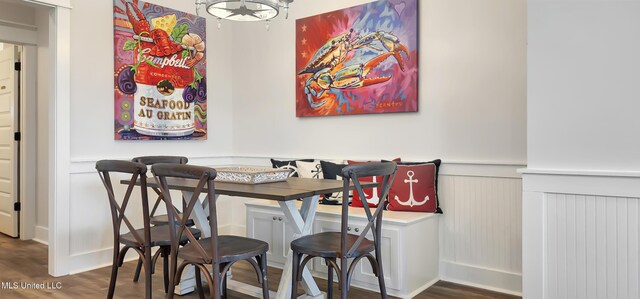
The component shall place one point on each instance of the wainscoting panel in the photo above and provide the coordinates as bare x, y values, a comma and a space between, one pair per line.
481, 231
90, 228
592, 246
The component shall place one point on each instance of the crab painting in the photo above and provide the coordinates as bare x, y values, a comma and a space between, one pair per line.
328, 70
358, 60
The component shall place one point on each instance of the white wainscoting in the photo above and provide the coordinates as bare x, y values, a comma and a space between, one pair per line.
592, 246
480, 231
91, 236
582, 234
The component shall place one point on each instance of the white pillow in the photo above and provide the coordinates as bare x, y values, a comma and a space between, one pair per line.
311, 170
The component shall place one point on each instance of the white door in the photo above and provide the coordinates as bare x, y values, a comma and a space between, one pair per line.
8, 146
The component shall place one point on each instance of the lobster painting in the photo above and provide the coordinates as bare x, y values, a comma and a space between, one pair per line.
160, 72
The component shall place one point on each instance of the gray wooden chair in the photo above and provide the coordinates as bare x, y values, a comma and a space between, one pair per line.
342, 245
220, 252
158, 219
140, 240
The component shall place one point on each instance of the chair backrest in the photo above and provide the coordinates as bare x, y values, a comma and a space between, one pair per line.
354, 173
204, 177
137, 171
150, 160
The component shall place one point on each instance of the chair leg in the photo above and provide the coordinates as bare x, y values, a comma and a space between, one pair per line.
173, 266
344, 281
265, 284
148, 280
136, 276
294, 274
166, 251
329, 280
224, 286
114, 272
383, 288
199, 283
216, 280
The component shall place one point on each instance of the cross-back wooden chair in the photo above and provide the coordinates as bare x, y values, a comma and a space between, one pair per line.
342, 245
140, 240
158, 219
150, 160
221, 252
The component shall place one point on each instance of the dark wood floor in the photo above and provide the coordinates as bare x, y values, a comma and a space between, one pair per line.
26, 262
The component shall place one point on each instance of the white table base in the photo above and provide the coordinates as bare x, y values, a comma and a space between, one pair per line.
300, 221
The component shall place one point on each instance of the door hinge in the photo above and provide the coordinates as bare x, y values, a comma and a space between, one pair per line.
18, 66
17, 206
17, 136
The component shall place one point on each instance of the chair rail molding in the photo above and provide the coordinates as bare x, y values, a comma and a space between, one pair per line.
87, 165
592, 182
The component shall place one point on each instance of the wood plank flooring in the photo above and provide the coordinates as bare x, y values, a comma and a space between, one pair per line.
26, 262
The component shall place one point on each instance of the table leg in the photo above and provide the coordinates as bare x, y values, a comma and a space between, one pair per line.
199, 215
302, 222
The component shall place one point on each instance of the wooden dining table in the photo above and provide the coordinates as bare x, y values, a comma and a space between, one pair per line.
286, 193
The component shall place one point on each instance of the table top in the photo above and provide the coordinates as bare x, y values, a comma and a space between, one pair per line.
291, 189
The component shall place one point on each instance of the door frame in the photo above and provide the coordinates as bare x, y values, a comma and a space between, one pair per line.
28, 143
59, 144
59, 133
27, 125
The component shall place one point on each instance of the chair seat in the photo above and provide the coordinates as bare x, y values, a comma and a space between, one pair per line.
159, 236
164, 219
230, 249
327, 244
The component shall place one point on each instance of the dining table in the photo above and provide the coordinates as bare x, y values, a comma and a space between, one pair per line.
286, 193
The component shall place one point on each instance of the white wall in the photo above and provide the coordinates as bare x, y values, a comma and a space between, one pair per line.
92, 94
17, 13
472, 90
92, 123
472, 109
581, 194
583, 95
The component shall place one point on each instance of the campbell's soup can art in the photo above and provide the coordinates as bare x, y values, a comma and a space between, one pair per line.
160, 69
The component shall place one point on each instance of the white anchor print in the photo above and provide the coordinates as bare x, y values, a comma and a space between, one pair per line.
374, 199
411, 201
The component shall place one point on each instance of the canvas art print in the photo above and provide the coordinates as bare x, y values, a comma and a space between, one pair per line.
358, 60
160, 73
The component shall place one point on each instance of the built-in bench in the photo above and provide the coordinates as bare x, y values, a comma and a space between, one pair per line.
410, 246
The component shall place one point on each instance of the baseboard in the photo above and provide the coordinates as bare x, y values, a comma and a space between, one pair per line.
232, 229
479, 277
91, 260
42, 235
422, 288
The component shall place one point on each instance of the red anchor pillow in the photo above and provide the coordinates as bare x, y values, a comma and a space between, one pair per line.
372, 194
415, 188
